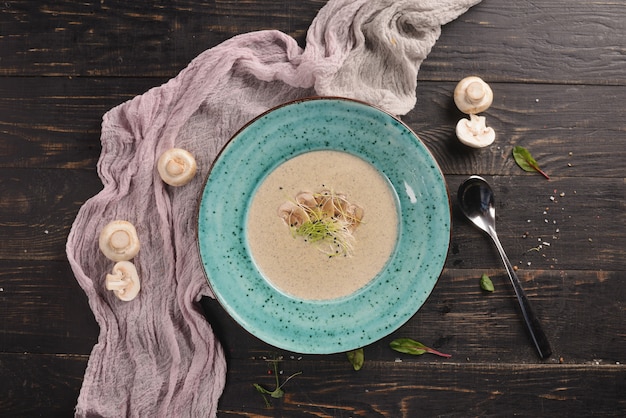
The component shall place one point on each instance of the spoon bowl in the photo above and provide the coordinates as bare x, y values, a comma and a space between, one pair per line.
477, 202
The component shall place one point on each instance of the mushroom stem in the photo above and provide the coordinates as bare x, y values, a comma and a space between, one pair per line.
113, 284
176, 167
118, 241
123, 281
475, 92
472, 95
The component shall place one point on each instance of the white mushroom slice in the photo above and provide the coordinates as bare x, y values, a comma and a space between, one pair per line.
326, 203
293, 215
306, 199
472, 95
474, 132
118, 241
355, 214
124, 281
176, 167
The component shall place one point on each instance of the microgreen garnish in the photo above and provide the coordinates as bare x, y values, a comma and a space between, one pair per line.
526, 161
409, 346
486, 283
356, 358
325, 219
278, 391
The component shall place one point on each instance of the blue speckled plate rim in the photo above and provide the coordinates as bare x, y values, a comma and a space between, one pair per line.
351, 322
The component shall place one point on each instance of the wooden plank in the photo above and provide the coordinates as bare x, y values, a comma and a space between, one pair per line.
117, 38
578, 311
44, 310
53, 123
556, 41
407, 389
554, 122
38, 208
565, 223
561, 41
48, 385
40, 385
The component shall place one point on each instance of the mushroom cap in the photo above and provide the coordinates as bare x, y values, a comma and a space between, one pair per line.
118, 241
474, 132
176, 166
472, 95
124, 281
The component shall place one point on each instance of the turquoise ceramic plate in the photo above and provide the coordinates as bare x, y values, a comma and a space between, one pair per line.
394, 295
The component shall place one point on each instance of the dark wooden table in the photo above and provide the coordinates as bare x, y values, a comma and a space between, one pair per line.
558, 71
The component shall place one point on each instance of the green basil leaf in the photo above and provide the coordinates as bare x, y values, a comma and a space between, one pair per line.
525, 160
486, 283
356, 358
408, 346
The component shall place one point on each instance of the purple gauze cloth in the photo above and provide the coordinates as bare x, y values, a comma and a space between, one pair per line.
156, 355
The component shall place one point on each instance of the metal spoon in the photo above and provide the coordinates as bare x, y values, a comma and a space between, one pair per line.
477, 203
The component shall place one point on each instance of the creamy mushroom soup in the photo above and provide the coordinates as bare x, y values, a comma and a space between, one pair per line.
290, 262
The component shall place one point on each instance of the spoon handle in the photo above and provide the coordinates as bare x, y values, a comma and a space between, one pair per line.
532, 322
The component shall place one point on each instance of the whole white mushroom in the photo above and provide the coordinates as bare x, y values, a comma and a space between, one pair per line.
472, 95
176, 166
118, 241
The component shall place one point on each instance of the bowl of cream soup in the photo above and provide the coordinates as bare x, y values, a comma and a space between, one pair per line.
323, 225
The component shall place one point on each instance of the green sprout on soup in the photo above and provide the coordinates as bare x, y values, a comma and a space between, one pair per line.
326, 219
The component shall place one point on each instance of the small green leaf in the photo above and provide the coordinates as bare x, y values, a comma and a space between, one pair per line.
525, 160
356, 358
278, 393
409, 346
486, 283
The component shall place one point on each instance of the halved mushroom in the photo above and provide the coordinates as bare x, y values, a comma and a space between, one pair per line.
472, 95
292, 214
176, 167
118, 241
124, 281
474, 132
